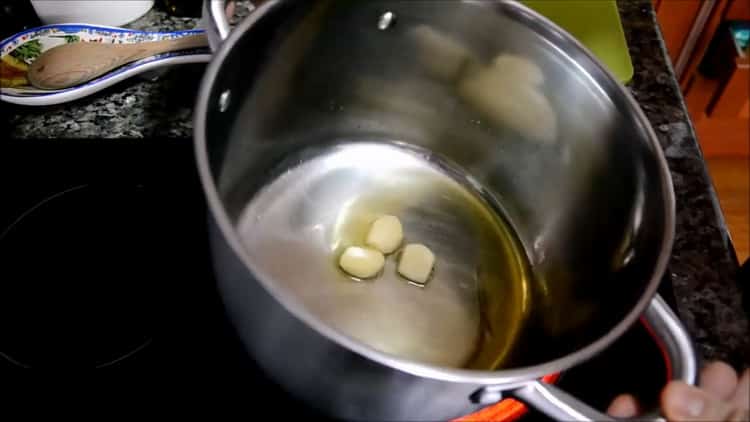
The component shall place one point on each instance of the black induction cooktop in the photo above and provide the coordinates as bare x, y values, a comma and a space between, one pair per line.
105, 270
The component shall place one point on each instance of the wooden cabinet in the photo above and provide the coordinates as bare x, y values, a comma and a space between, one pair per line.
697, 37
676, 18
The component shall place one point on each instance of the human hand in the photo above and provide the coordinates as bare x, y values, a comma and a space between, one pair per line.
719, 396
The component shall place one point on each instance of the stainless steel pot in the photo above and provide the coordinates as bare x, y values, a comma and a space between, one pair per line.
558, 148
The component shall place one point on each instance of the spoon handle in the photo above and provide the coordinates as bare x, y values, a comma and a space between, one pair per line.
164, 46
73, 64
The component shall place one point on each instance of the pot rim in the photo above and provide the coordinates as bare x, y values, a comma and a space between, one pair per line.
508, 377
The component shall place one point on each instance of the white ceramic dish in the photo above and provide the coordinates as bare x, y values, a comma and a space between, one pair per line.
27, 45
95, 12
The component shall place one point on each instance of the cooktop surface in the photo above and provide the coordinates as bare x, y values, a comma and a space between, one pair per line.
104, 264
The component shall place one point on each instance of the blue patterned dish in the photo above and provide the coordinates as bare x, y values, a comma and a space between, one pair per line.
23, 48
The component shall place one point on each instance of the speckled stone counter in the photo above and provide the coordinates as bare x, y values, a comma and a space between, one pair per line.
703, 268
701, 273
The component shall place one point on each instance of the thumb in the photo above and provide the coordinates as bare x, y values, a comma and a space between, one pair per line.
682, 402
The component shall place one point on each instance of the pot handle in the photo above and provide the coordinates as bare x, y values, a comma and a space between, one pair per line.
672, 338
217, 24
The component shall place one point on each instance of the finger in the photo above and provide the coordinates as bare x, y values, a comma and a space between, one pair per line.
719, 379
623, 406
741, 396
739, 415
683, 402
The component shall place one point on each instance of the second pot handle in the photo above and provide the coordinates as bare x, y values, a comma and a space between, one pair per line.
674, 341
217, 24
216, 21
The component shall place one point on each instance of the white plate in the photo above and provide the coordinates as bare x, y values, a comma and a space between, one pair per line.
27, 45
97, 12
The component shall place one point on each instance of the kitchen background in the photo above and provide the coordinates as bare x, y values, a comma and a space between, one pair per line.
707, 41
707, 45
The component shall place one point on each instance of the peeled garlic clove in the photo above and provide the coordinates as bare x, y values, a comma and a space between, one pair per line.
442, 56
361, 262
385, 234
505, 102
416, 263
519, 69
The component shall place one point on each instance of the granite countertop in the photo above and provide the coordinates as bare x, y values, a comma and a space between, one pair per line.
703, 268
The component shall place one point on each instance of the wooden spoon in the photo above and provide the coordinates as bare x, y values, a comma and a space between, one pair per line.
73, 64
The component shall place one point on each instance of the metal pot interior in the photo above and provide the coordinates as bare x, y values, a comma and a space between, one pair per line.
550, 226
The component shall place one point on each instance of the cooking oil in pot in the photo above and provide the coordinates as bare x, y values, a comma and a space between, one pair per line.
471, 311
